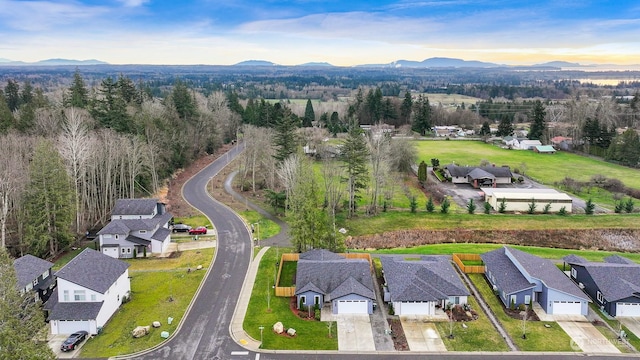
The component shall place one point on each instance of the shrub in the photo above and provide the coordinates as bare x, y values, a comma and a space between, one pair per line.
471, 207
502, 208
628, 205
317, 313
563, 211
619, 207
430, 205
413, 203
532, 206
589, 206
444, 207
487, 208
546, 208
422, 172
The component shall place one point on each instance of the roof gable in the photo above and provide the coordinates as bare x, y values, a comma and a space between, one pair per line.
93, 270
28, 268
615, 281
506, 274
332, 275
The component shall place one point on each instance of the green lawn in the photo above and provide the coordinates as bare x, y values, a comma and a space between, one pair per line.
543, 168
539, 337
547, 253
194, 221
479, 335
312, 335
266, 227
288, 274
160, 288
634, 339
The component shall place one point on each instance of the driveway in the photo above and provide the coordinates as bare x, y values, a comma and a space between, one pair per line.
354, 333
585, 337
421, 335
632, 323
55, 341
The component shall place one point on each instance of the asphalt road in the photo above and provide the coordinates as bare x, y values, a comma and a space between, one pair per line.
205, 331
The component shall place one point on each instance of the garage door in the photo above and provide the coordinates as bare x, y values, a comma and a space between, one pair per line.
69, 327
415, 308
627, 309
566, 308
353, 307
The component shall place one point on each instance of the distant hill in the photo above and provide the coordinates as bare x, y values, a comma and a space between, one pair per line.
436, 62
316, 64
54, 62
255, 63
560, 64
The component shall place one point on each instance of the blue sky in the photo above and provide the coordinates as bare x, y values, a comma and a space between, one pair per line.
340, 32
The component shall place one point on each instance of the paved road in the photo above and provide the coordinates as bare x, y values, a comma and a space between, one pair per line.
205, 331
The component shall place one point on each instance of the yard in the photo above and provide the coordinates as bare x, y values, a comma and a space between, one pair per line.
265, 310
288, 274
160, 288
539, 336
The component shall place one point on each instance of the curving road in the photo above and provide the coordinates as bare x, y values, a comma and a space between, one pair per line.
204, 334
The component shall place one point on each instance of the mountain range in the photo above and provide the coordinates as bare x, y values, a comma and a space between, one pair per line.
52, 62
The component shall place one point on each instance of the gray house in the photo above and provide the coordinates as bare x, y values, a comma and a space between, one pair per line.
138, 227
34, 274
478, 176
520, 278
614, 285
326, 277
419, 287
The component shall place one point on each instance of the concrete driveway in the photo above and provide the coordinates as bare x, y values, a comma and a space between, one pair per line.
55, 341
632, 323
585, 337
421, 335
354, 333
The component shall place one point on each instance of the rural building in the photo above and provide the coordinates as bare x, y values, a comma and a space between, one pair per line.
544, 149
519, 200
34, 275
614, 285
529, 144
562, 142
478, 176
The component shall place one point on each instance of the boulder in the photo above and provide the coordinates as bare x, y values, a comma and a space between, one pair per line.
156, 324
278, 328
140, 331
199, 267
291, 332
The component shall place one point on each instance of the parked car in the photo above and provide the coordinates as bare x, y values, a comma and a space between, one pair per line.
200, 230
73, 340
181, 228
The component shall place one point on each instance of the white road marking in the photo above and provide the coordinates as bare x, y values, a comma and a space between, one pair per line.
239, 353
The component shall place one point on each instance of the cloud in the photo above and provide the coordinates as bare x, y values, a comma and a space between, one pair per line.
43, 15
133, 3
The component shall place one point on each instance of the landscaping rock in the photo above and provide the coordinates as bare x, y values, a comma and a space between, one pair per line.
199, 267
156, 324
291, 332
278, 328
140, 331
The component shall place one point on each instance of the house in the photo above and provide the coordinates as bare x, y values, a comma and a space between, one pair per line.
138, 227
521, 278
511, 142
544, 149
520, 200
614, 285
529, 144
90, 289
34, 274
325, 277
478, 176
562, 142
419, 287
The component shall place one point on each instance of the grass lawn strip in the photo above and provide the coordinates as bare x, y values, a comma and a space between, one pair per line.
539, 337
288, 274
480, 335
153, 282
311, 335
266, 227
609, 335
634, 339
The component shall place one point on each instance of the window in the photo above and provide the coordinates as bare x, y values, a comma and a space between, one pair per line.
527, 299
45, 274
35, 282
79, 295
303, 299
600, 297
574, 273
29, 286
124, 250
513, 300
93, 297
316, 300
128, 250
66, 295
116, 236
143, 231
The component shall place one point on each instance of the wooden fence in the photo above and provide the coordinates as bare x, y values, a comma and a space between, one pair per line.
468, 269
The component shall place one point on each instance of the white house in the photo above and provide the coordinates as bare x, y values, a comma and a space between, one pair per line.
138, 227
91, 287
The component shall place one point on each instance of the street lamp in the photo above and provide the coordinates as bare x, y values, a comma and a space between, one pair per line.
257, 224
261, 328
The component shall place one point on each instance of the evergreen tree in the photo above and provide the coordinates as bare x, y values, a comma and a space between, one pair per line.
49, 204
110, 109
26, 95
22, 330
233, 101
625, 148
431, 207
406, 108
335, 125
309, 115
485, 130
355, 155
422, 172
505, 128
285, 139
6, 116
422, 116
183, 101
538, 125
12, 95
79, 95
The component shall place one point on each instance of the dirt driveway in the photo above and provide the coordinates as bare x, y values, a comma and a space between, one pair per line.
421, 335
585, 337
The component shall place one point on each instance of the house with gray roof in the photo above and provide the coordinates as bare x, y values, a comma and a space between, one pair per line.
325, 277
138, 227
521, 278
478, 176
91, 287
34, 275
614, 285
421, 286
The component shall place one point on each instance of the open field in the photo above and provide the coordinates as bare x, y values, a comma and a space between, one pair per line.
451, 99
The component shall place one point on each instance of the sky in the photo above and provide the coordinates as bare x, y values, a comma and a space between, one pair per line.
340, 32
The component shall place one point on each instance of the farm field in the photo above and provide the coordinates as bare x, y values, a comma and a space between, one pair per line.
546, 169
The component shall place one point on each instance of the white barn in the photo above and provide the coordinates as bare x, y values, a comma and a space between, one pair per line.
519, 200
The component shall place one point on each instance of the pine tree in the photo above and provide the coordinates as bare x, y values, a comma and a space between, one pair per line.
422, 116
538, 125
22, 334
285, 139
355, 156
485, 130
422, 172
505, 128
406, 108
6, 116
79, 95
309, 115
12, 95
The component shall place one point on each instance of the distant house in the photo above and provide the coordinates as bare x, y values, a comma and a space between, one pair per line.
419, 287
90, 289
326, 277
34, 274
138, 227
614, 285
478, 176
511, 141
520, 200
544, 149
562, 142
529, 144
522, 278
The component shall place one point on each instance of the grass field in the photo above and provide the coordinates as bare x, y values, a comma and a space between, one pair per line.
266, 227
194, 221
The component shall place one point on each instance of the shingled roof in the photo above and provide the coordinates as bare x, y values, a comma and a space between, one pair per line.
93, 270
617, 278
505, 272
71, 310
463, 171
134, 207
431, 278
28, 268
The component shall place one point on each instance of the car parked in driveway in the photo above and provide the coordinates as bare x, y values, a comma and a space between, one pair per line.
73, 340
200, 230
181, 228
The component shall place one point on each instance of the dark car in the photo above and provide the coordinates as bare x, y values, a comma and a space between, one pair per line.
181, 228
200, 230
73, 340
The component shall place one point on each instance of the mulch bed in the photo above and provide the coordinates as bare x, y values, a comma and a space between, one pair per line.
302, 314
517, 314
397, 334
